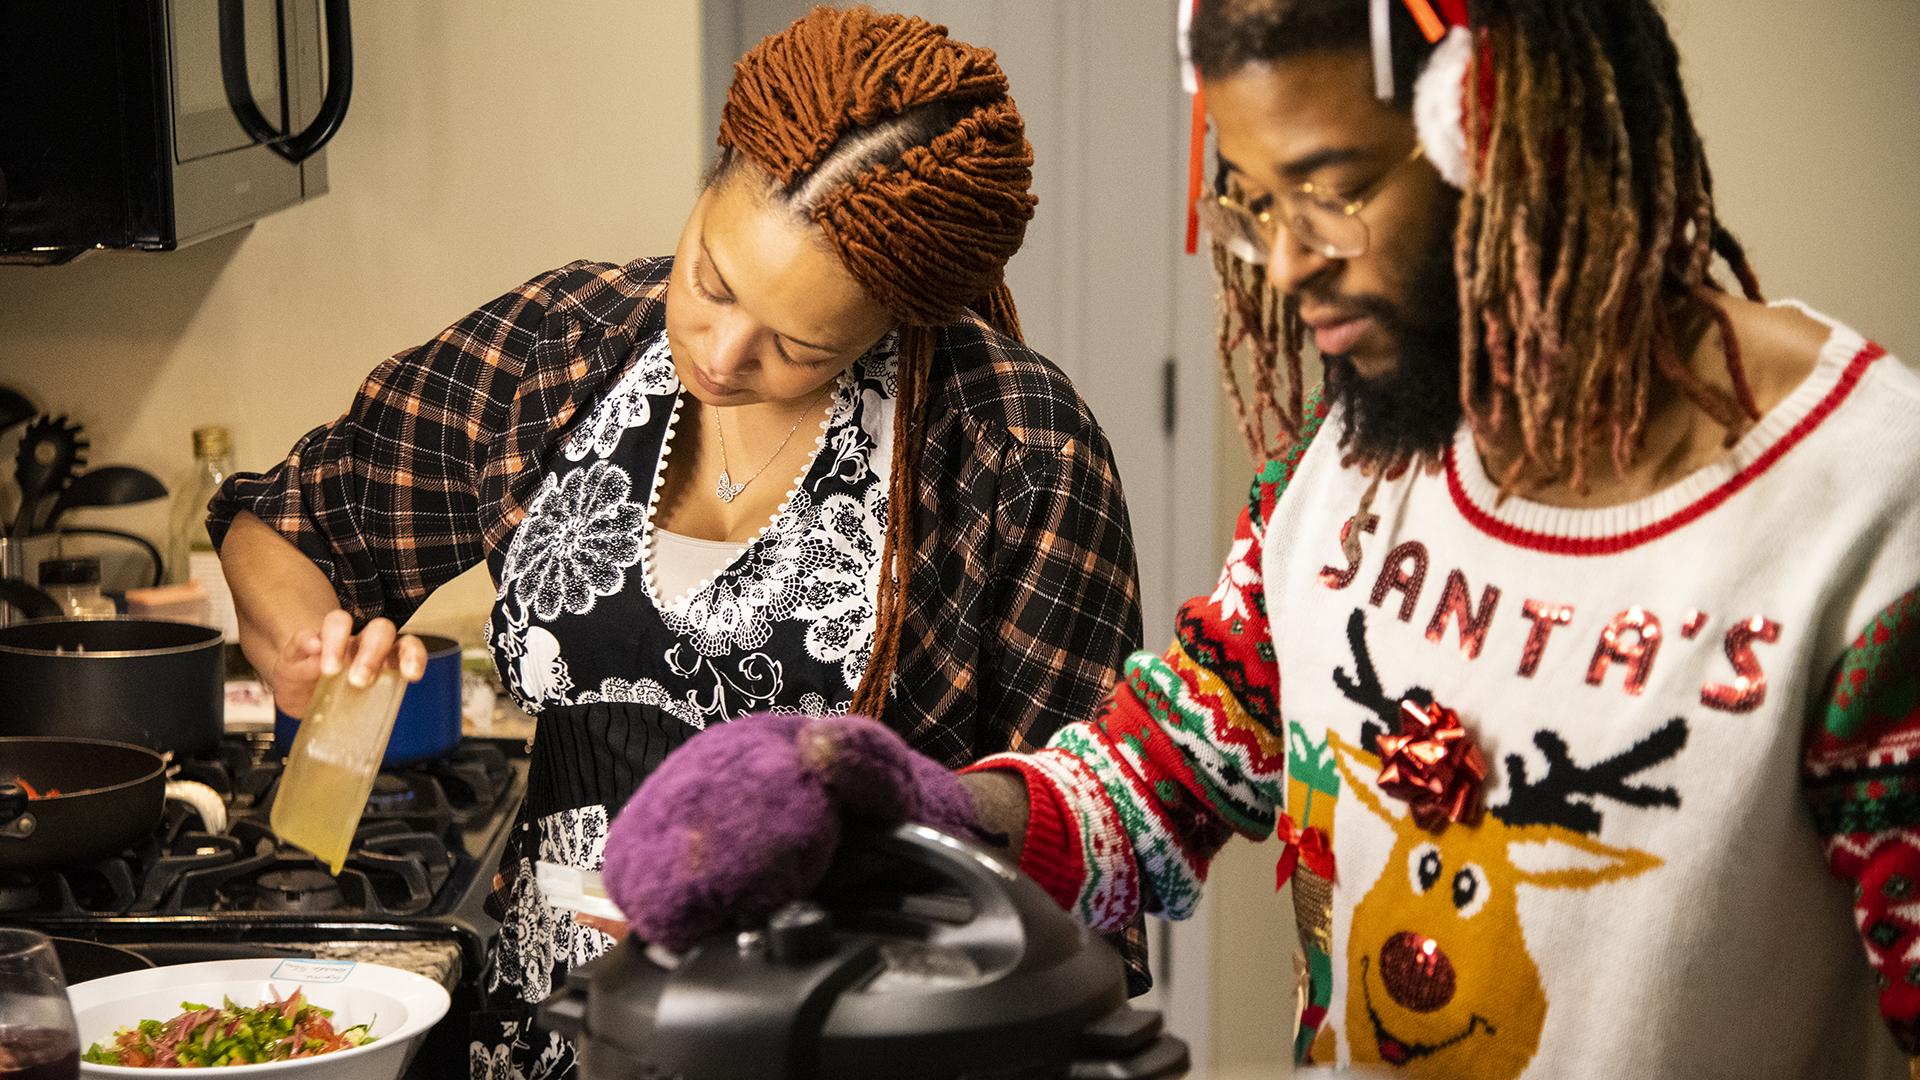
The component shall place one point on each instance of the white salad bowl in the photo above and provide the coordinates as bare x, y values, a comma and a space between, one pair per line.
398, 1005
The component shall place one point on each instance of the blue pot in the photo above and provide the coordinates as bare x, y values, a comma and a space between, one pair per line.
429, 721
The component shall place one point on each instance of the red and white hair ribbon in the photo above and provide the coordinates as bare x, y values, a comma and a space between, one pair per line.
1197, 140
1434, 26
1439, 105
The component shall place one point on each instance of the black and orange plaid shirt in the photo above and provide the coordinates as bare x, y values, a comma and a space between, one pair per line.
1023, 600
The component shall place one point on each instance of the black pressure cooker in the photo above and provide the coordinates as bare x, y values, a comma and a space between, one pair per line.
950, 966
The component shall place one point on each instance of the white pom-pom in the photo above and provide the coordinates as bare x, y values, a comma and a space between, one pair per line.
1189, 78
1439, 106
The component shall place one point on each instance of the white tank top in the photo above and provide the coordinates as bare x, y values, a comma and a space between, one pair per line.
681, 563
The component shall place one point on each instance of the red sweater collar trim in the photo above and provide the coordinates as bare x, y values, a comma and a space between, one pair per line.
1487, 523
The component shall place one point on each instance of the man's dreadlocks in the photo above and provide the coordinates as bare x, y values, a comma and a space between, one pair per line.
1587, 228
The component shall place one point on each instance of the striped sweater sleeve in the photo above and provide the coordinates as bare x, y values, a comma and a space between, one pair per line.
1185, 750
1862, 778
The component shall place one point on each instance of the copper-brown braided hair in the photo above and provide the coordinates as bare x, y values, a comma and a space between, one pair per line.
903, 147
1587, 228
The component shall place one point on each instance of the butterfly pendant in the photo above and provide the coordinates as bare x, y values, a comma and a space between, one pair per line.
727, 489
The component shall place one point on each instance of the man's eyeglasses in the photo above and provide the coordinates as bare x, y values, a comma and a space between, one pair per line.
1323, 220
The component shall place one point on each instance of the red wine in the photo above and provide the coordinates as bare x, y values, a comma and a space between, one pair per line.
38, 1054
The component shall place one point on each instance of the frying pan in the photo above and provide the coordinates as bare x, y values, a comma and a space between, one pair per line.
111, 795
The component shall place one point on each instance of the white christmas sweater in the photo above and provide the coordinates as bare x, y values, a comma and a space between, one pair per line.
1695, 713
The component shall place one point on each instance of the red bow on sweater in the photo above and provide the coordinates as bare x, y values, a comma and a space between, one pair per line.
1308, 845
1433, 765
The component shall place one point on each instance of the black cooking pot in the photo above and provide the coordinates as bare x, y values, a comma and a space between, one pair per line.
111, 795
971, 972
144, 681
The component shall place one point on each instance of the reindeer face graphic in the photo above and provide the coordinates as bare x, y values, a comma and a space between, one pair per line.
1440, 980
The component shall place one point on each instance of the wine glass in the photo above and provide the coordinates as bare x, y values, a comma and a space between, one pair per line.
38, 1040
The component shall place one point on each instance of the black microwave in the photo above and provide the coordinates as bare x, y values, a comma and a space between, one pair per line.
152, 124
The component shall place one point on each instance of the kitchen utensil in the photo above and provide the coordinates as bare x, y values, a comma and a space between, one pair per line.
30, 487
37, 1038
110, 796
156, 684
970, 970
428, 723
85, 960
19, 600
109, 485
14, 408
334, 760
399, 1005
141, 542
32, 602
50, 449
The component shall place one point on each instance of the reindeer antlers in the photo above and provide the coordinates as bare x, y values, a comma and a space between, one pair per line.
1366, 691
1552, 800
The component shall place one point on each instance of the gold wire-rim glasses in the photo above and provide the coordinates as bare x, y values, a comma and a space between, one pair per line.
1250, 233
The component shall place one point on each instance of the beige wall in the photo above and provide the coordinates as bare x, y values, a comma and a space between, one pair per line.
1811, 116
488, 140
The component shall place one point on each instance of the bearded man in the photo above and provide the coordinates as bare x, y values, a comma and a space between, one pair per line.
1570, 639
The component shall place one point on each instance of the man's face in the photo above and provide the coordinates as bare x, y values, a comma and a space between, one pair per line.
1386, 321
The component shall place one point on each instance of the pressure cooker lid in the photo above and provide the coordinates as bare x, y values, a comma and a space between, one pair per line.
967, 971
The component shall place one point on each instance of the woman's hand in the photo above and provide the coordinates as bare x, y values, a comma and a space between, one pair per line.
613, 928
332, 647
291, 625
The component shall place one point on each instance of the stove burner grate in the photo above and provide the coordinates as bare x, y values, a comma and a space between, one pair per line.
423, 827
299, 890
18, 892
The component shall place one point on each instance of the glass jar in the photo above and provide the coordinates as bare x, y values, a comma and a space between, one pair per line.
74, 584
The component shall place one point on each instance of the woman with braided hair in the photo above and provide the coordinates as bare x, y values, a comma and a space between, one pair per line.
804, 466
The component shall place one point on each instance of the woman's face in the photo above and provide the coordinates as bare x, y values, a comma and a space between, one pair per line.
758, 308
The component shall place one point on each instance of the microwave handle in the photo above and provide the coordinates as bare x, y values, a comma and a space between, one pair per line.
333, 109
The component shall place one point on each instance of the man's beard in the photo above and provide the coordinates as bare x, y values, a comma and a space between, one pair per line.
1413, 410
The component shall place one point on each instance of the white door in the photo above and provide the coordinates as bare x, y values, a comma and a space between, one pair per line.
1103, 287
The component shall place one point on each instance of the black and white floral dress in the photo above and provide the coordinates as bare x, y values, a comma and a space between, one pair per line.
619, 675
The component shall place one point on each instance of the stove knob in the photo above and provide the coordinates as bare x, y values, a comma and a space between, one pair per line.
15, 821
800, 933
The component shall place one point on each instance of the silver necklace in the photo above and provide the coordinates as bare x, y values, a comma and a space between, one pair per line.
727, 489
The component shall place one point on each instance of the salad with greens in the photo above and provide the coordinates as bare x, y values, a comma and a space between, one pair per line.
200, 1037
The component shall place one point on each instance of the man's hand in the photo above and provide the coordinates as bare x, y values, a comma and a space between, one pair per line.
1000, 801
746, 817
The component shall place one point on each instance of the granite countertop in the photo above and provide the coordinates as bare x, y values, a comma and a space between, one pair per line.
437, 960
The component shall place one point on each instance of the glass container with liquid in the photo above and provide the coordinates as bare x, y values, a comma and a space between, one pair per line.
334, 758
190, 554
38, 1040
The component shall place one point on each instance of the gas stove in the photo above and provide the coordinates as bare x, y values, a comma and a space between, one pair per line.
419, 871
